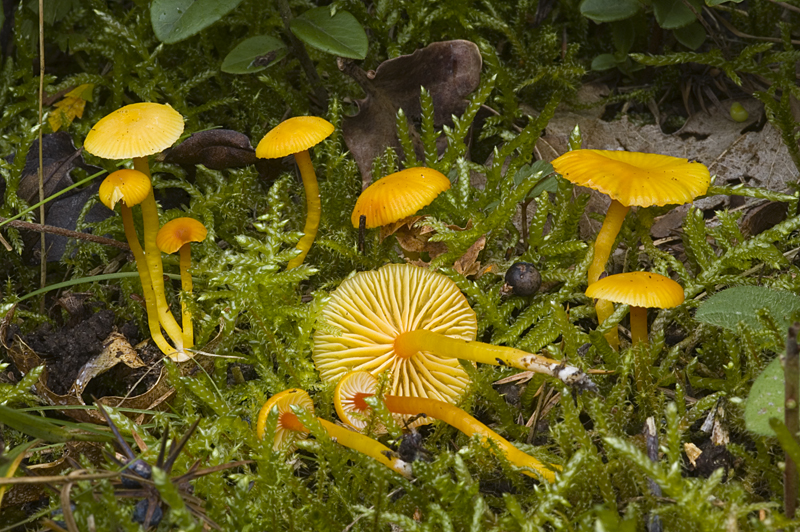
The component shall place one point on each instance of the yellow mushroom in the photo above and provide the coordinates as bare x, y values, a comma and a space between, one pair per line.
129, 188
629, 178
416, 324
290, 429
398, 195
296, 136
137, 131
355, 387
640, 290
176, 235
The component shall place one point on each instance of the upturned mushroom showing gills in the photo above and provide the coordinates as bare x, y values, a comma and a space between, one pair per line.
416, 324
629, 178
290, 429
129, 188
640, 290
177, 235
137, 131
296, 136
398, 195
355, 387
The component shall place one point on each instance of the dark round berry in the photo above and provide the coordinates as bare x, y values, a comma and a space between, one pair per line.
523, 279
138, 468
140, 512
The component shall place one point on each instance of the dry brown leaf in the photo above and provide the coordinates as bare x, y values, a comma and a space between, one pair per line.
468, 264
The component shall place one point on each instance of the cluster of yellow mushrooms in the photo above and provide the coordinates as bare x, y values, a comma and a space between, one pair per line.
403, 321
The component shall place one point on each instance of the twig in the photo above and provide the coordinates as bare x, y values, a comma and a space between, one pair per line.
40, 170
786, 6
651, 441
791, 371
75, 476
19, 224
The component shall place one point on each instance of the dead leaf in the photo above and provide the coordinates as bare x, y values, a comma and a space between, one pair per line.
693, 452
218, 149
59, 158
449, 70
71, 106
763, 217
116, 350
468, 264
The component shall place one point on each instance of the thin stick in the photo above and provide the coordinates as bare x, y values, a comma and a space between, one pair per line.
43, 256
651, 442
791, 370
53, 230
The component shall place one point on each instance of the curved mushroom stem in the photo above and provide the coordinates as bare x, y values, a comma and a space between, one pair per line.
147, 288
313, 207
603, 245
455, 417
153, 257
366, 445
638, 325
186, 286
407, 344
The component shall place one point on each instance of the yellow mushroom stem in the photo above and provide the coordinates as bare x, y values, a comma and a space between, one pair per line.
153, 257
457, 418
602, 250
186, 285
144, 275
313, 207
638, 325
345, 437
409, 343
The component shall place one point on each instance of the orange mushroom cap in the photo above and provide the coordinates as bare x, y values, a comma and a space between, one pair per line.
349, 399
634, 178
398, 195
638, 289
289, 428
369, 310
175, 233
130, 187
292, 136
136, 130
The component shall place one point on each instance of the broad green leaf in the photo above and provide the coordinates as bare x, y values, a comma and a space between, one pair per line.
741, 303
253, 55
340, 34
609, 10
604, 62
623, 33
176, 20
765, 400
691, 36
712, 3
673, 14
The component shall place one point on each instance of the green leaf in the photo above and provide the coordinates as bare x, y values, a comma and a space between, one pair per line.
254, 55
623, 33
609, 10
46, 429
741, 303
604, 62
673, 14
691, 36
176, 20
340, 34
712, 3
765, 400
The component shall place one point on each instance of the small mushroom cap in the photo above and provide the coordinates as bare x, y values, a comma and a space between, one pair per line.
136, 130
289, 428
638, 289
175, 233
634, 178
130, 187
292, 136
370, 309
348, 398
398, 195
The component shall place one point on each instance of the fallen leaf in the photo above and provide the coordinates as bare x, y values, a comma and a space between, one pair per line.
449, 70
116, 350
468, 264
71, 106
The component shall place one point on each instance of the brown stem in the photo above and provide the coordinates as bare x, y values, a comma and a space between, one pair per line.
300, 53
791, 370
19, 224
